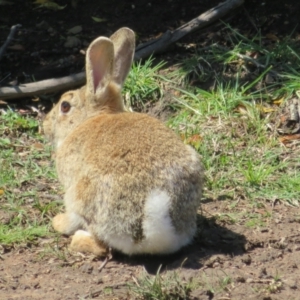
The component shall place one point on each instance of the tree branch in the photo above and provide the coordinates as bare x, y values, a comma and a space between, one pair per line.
10, 37
42, 87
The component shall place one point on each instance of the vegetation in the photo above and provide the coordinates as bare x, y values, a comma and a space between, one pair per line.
25, 173
226, 102
161, 287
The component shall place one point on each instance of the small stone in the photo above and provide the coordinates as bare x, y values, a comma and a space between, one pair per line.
35, 54
87, 268
71, 42
43, 25
263, 273
25, 287
292, 284
51, 30
14, 285
240, 279
247, 260
75, 30
37, 285
294, 266
98, 280
269, 79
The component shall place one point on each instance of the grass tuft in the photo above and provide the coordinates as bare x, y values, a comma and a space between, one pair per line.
232, 118
161, 287
142, 84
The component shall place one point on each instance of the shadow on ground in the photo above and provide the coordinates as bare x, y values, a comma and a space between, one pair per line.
211, 239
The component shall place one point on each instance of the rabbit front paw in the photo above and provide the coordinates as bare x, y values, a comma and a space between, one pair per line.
67, 223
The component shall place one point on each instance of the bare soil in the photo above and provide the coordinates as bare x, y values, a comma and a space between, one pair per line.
225, 261
228, 260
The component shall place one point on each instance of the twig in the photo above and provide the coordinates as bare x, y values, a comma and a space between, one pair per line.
135, 281
103, 264
256, 63
245, 58
250, 18
53, 197
10, 37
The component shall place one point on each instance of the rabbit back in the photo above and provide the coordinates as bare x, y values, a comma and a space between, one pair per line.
134, 181
129, 181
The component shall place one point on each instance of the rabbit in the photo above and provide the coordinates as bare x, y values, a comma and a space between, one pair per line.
130, 182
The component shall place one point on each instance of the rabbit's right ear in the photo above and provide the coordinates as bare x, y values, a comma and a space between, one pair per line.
99, 66
124, 45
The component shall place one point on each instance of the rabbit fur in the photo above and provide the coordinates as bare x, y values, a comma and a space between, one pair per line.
130, 183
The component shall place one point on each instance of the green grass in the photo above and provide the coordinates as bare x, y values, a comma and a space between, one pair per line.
235, 119
17, 234
162, 287
25, 172
142, 84
222, 104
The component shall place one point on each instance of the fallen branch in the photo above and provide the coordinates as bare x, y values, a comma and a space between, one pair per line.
10, 37
42, 87
142, 51
170, 37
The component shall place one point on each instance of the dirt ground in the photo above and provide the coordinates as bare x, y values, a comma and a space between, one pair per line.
228, 261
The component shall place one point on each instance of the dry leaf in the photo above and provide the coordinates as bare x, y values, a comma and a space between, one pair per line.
242, 109
17, 47
49, 4
99, 20
278, 101
194, 140
288, 138
283, 119
272, 37
265, 109
253, 54
22, 154
38, 146
176, 93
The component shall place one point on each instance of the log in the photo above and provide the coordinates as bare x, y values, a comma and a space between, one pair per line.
42, 87
142, 51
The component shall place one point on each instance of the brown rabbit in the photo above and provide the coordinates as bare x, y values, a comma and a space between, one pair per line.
130, 182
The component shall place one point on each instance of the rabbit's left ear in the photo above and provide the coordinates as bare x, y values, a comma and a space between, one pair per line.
124, 47
99, 65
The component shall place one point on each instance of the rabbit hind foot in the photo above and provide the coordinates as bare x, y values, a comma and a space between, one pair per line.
84, 242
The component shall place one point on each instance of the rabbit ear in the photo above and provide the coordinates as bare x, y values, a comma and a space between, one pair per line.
124, 45
99, 65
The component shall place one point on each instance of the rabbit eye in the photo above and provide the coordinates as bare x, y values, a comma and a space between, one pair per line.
65, 107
